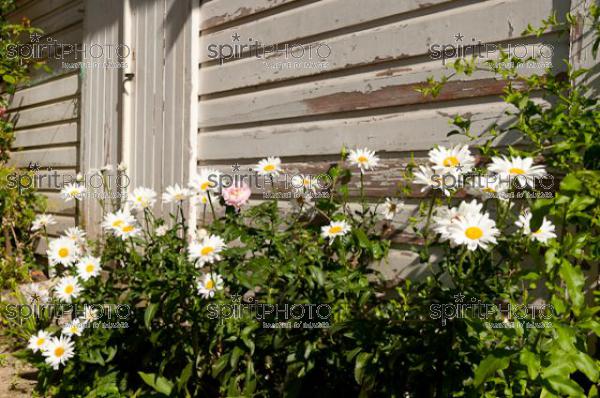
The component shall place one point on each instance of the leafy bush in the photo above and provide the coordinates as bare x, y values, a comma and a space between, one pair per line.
17, 208
501, 248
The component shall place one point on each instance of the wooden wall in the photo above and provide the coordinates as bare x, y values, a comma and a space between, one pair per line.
47, 111
366, 95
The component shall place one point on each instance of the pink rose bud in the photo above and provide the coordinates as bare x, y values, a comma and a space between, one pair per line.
237, 196
2, 111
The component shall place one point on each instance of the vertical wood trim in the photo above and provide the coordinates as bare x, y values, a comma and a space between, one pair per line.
100, 90
194, 84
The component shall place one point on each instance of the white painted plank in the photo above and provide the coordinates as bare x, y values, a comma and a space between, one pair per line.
54, 157
63, 87
49, 135
57, 205
56, 112
312, 19
411, 130
218, 12
374, 89
385, 43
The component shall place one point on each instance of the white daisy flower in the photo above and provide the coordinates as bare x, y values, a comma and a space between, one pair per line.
114, 221
72, 191
67, 288
63, 251
304, 183
161, 231
175, 194
58, 351
390, 208
41, 221
430, 179
444, 217
89, 314
125, 231
271, 166
73, 328
209, 284
79, 177
456, 160
335, 229
36, 293
207, 250
544, 233
88, 267
517, 168
364, 159
142, 198
39, 341
206, 180
76, 234
474, 230
122, 166
200, 199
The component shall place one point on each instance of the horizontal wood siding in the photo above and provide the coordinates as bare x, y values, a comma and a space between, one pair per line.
46, 112
255, 105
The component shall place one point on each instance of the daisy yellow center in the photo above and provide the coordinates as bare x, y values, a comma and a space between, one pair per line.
73, 329
207, 250
40, 341
362, 159
474, 233
128, 228
209, 284
59, 351
69, 289
179, 196
516, 170
489, 190
335, 230
89, 268
269, 167
63, 252
451, 161
117, 223
139, 199
537, 232
205, 186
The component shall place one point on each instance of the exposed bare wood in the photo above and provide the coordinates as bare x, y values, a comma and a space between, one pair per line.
218, 12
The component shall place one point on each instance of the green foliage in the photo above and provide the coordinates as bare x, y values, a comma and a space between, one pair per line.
17, 209
379, 340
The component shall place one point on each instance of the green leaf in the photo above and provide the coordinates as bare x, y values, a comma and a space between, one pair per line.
532, 361
185, 375
317, 274
9, 79
362, 361
571, 184
586, 365
575, 280
159, 383
149, 314
566, 386
489, 366
220, 364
